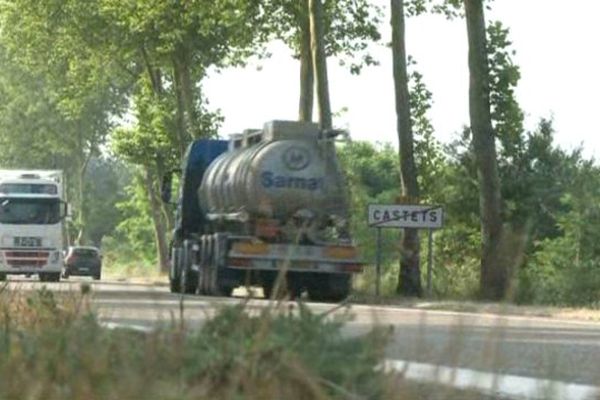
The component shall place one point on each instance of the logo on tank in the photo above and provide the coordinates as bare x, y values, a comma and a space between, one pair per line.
296, 158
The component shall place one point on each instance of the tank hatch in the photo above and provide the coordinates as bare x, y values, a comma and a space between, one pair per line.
285, 130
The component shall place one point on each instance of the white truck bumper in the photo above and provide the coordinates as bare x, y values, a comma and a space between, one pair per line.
30, 261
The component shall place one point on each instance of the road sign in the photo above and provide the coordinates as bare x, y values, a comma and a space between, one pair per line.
405, 216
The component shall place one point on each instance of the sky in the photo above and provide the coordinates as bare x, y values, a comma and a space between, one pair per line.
554, 42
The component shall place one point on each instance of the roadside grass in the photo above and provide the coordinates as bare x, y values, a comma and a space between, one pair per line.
364, 293
53, 347
591, 313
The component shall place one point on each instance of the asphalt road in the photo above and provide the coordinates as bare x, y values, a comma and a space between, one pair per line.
540, 348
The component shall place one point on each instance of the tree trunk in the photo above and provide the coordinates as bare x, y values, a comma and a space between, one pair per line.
409, 281
81, 216
165, 208
160, 236
180, 118
189, 97
494, 276
320, 62
83, 162
307, 80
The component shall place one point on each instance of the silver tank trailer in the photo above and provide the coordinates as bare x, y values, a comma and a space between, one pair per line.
285, 170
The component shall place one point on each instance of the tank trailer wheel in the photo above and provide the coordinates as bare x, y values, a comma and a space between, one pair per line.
202, 266
267, 290
330, 288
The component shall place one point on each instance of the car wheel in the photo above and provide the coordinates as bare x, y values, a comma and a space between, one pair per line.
50, 277
97, 277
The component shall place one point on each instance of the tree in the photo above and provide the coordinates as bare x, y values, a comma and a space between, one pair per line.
174, 44
60, 116
494, 274
320, 62
409, 282
428, 153
307, 79
106, 180
161, 50
348, 27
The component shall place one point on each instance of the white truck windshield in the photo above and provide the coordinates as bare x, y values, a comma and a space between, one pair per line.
23, 211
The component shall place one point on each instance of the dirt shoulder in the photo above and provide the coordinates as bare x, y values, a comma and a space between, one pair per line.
579, 314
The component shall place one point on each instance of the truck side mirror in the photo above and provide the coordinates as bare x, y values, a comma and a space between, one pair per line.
65, 212
166, 187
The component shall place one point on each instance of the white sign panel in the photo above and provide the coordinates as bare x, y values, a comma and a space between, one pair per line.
405, 216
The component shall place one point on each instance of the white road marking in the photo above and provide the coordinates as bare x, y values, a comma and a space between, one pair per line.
511, 386
133, 327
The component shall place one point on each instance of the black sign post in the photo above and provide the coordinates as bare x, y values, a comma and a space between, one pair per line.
378, 264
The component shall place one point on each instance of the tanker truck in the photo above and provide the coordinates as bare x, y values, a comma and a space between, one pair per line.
266, 206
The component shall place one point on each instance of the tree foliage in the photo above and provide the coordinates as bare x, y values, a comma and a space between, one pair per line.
111, 92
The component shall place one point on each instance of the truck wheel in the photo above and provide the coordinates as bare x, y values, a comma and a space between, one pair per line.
2, 277
50, 277
174, 278
189, 278
294, 290
288, 289
329, 288
267, 290
226, 291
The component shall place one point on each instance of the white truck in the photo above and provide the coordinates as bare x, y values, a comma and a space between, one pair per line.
32, 217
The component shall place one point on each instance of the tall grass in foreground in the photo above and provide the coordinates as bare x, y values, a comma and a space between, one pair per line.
53, 347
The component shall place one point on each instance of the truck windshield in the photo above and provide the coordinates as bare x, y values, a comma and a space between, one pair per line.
25, 211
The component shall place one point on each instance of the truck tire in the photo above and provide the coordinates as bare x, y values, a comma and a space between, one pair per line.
226, 291
329, 288
174, 278
189, 278
2, 277
50, 277
267, 288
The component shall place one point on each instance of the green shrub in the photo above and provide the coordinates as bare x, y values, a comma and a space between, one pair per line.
53, 347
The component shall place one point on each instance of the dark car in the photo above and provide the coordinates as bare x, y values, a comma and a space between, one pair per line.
83, 261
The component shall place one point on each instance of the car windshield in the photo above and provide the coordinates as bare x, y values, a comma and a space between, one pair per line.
43, 188
85, 253
23, 211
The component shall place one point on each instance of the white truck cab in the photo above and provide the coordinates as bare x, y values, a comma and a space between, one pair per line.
32, 217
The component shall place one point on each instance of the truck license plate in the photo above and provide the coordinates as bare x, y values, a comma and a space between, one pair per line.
25, 241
